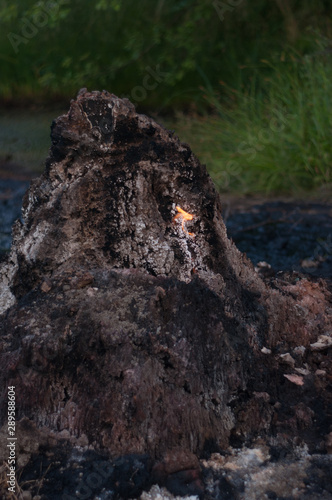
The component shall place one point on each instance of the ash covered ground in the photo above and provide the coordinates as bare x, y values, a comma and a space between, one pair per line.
286, 235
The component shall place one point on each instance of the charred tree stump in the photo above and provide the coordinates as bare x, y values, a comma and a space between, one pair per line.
131, 324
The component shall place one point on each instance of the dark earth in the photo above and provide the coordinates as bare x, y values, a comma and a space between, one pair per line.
287, 235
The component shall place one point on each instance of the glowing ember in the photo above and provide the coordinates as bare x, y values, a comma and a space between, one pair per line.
183, 217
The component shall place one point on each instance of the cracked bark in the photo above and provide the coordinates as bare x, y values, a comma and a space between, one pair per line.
120, 330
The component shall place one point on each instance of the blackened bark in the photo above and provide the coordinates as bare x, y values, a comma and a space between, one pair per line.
122, 330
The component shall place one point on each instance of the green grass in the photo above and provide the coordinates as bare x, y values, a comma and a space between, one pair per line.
274, 140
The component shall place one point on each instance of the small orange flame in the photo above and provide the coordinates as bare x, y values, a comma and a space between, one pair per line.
183, 216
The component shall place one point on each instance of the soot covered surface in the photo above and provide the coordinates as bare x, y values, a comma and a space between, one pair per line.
126, 336
288, 235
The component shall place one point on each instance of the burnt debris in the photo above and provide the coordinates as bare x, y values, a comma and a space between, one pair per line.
125, 335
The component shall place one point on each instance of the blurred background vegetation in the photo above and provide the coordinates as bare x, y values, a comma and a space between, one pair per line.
248, 83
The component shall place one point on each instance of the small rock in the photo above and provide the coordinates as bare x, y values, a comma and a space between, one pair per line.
287, 359
83, 281
323, 342
295, 379
302, 371
308, 263
91, 291
262, 266
26, 495
265, 350
46, 285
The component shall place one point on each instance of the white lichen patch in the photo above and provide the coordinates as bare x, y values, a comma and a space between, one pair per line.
31, 245
7, 272
30, 205
160, 256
